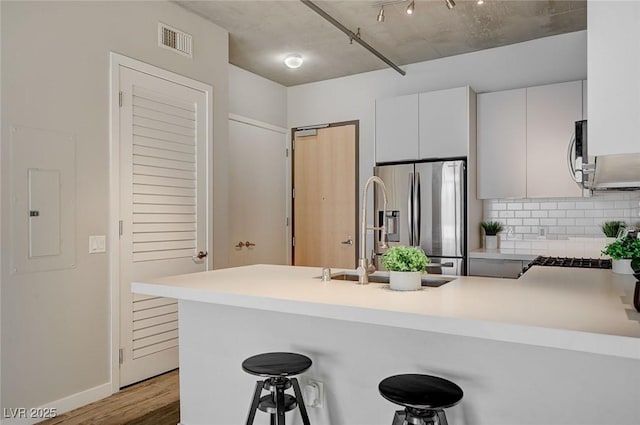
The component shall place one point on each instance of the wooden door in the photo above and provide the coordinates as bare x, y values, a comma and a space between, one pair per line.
163, 210
257, 194
325, 197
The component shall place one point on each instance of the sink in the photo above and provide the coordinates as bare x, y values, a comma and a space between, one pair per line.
382, 277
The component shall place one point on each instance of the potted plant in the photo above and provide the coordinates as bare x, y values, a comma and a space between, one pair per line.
612, 228
622, 251
405, 265
491, 230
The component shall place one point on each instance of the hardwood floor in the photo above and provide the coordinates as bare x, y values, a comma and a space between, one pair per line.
151, 402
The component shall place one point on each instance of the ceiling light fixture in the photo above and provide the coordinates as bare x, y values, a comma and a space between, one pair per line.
411, 8
293, 61
480, 2
450, 4
381, 14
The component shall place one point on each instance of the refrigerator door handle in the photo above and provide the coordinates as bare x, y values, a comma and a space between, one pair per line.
410, 209
417, 213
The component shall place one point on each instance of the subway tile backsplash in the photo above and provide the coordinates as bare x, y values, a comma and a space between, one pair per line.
562, 218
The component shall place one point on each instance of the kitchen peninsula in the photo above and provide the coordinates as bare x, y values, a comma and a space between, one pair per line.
555, 346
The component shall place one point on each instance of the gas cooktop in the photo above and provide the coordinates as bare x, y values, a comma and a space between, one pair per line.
584, 263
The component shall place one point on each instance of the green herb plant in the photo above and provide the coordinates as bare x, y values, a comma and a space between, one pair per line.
405, 259
623, 249
611, 228
491, 228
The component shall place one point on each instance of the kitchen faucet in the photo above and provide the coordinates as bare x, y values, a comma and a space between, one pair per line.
365, 268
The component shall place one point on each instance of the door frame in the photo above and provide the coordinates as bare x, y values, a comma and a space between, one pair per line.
357, 179
117, 60
288, 174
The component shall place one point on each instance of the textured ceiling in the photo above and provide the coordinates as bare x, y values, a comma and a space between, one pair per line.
262, 33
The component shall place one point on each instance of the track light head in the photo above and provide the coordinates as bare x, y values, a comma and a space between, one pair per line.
381, 14
450, 4
411, 8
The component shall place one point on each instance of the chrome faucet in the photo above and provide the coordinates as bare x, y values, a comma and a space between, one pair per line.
366, 267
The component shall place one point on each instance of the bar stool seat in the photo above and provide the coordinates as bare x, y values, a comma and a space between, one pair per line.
277, 368
423, 396
276, 364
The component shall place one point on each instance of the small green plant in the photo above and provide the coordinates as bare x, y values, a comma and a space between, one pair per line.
623, 249
405, 259
611, 228
491, 228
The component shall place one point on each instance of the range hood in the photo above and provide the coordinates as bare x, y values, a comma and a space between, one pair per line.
615, 172
604, 172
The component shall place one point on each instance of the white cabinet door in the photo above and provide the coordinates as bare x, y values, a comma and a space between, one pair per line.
444, 123
552, 111
397, 129
613, 67
502, 149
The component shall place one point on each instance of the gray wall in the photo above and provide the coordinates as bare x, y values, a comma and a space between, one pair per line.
55, 75
255, 97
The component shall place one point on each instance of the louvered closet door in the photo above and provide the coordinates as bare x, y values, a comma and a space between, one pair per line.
163, 211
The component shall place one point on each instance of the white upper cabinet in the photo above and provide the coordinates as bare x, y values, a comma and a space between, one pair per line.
552, 111
444, 123
397, 128
613, 67
523, 139
502, 148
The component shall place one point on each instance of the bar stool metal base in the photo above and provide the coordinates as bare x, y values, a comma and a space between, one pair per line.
410, 416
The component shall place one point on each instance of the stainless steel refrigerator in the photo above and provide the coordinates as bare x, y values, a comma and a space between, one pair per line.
426, 207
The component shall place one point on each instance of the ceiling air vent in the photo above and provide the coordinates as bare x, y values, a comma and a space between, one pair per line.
174, 39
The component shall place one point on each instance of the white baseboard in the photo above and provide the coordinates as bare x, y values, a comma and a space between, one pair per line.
62, 405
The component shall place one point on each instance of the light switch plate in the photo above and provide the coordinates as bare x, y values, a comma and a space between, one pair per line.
97, 244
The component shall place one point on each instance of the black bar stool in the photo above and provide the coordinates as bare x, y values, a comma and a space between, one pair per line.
277, 367
423, 396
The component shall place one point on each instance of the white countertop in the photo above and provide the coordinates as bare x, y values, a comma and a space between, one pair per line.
527, 250
576, 309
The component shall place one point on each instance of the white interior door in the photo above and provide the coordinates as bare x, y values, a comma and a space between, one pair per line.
163, 211
257, 194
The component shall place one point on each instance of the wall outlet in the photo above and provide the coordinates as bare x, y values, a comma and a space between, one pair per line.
314, 393
542, 233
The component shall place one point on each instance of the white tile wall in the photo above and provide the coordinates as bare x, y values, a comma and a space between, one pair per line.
562, 218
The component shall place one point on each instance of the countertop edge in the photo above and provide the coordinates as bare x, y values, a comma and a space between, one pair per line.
611, 345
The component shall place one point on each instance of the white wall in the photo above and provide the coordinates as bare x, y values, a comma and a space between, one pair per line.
543, 61
55, 75
255, 97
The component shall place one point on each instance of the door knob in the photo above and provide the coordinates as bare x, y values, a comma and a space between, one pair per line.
249, 244
349, 241
201, 255
240, 244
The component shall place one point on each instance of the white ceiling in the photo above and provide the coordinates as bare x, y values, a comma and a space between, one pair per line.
263, 32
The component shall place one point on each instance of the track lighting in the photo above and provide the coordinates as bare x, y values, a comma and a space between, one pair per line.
450, 4
381, 14
411, 7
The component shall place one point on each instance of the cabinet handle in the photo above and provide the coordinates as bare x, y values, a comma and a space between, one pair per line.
248, 244
240, 244
349, 241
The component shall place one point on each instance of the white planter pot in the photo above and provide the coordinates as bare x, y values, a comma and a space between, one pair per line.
491, 242
621, 266
405, 281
